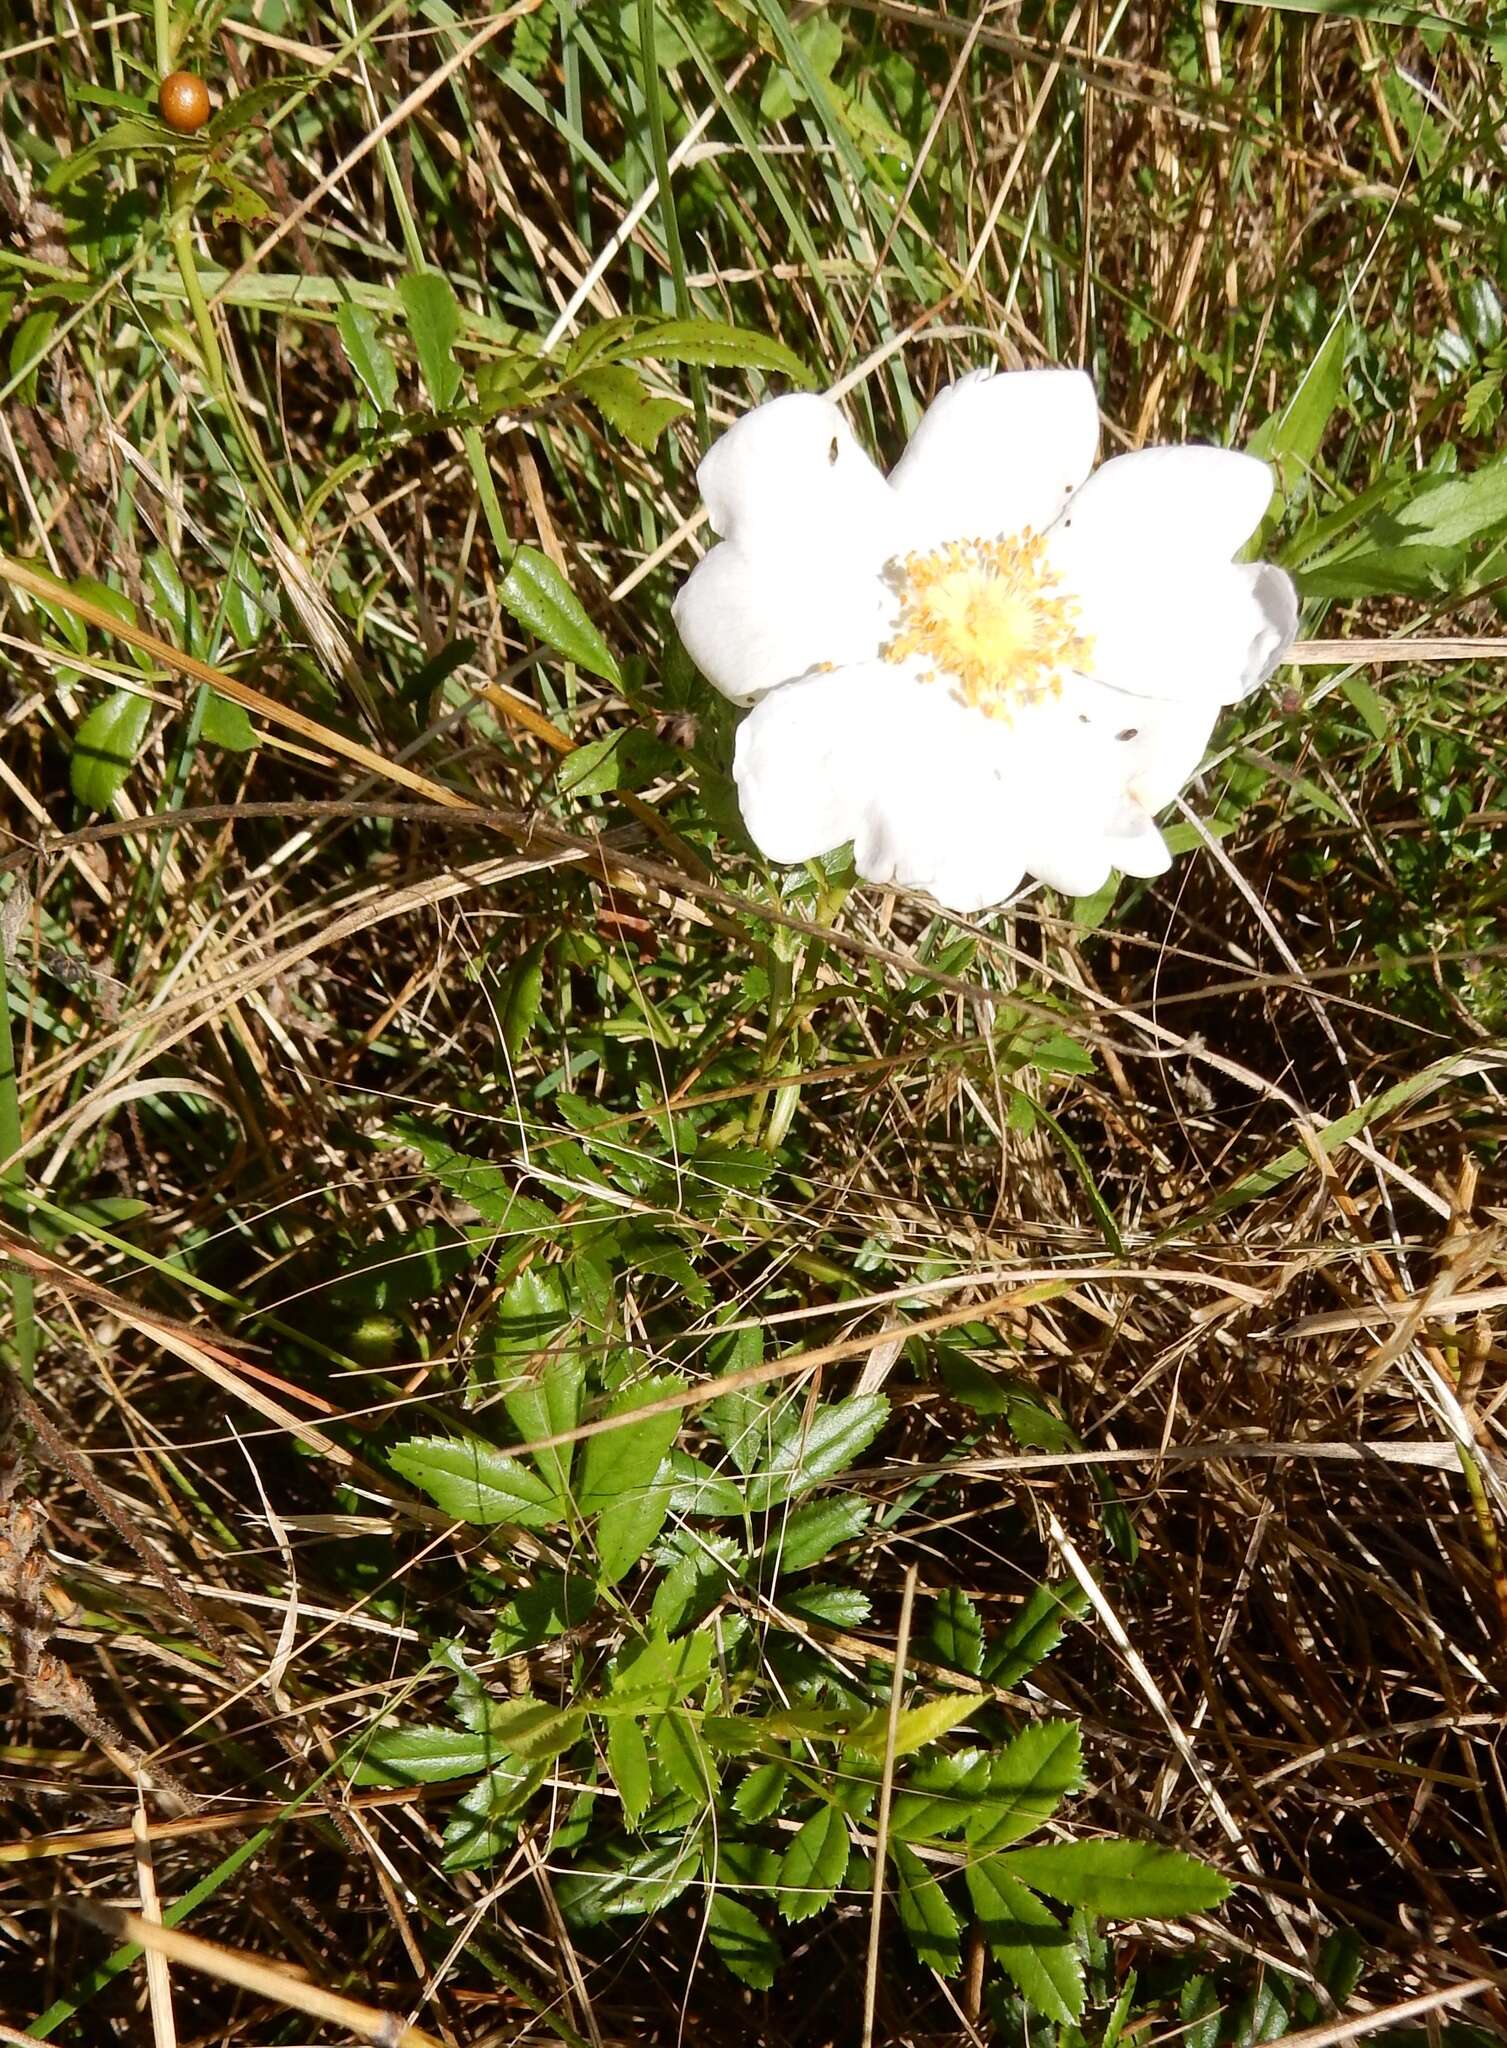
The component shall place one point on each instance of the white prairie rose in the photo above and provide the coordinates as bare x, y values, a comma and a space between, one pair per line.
990, 663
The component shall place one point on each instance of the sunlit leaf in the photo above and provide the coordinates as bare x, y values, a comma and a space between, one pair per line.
813, 1866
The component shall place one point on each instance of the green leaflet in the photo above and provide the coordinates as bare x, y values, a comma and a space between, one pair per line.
626, 1458
105, 747
476, 1483
814, 1865
957, 1633
1027, 1941
925, 1912
539, 597
628, 1761
1025, 1784
434, 324
368, 355
1130, 1880
742, 1940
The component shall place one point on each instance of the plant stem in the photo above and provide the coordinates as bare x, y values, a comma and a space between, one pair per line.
181, 235
22, 1287
166, 39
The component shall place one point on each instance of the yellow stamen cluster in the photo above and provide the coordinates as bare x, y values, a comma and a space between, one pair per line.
990, 617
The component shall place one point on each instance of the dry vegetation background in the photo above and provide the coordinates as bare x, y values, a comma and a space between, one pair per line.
1195, 1187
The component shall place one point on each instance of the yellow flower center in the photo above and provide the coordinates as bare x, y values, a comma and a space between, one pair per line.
990, 617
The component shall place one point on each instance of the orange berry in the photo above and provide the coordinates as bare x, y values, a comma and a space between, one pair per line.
183, 102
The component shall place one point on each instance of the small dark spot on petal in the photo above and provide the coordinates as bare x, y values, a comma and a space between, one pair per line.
1083, 718
1129, 733
832, 451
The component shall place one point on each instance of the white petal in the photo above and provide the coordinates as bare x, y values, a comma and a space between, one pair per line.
997, 452
1191, 504
1134, 845
936, 821
1209, 635
752, 618
1164, 756
1077, 863
1141, 750
937, 797
790, 472
802, 762
873, 755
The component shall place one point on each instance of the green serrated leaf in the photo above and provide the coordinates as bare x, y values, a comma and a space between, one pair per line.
520, 998
957, 1633
742, 1940
478, 1181
619, 395
105, 747
694, 1584
1128, 1880
628, 1761
938, 1796
434, 324
814, 1865
812, 1532
643, 1882
423, 1756
700, 1491
1041, 1766
808, 1449
1481, 314
680, 1753
715, 343
1028, 1942
761, 1793
655, 1672
925, 1913
475, 1483
915, 1726
538, 596
484, 1823
830, 1606
549, 1404
1035, 1633
626, 1459
626, 1528
1200, 2011
622, 760
368, 354
534, 1729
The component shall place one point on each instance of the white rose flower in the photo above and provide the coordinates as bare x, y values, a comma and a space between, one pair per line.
990, 663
